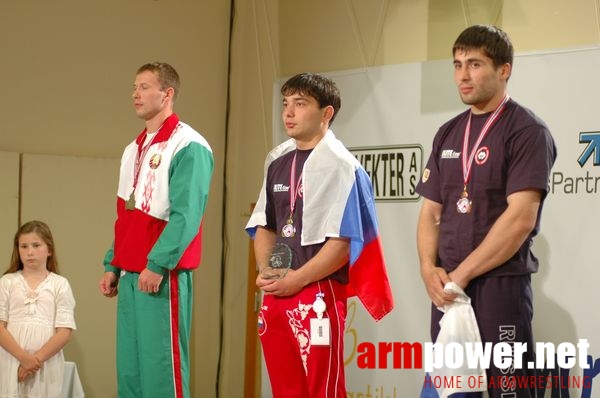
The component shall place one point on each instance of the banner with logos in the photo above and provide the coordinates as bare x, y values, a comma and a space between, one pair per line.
388, 118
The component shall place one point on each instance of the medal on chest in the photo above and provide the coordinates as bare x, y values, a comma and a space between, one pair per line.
464, 205
289, 230
130, 204
137, 166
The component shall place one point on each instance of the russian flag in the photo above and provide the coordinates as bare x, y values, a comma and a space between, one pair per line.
368, 275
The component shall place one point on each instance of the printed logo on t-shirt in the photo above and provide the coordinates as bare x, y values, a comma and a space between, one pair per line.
482, 155
280, 188
450, 154
425, 176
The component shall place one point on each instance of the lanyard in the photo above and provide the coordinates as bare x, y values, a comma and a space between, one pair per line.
141, 154
467, 161
294, 186
288, 230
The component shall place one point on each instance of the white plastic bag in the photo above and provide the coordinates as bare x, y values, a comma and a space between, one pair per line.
458, 325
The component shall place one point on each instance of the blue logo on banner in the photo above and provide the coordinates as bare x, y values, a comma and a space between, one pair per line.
593, 147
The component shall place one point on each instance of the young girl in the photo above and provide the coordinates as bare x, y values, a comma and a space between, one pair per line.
36, 317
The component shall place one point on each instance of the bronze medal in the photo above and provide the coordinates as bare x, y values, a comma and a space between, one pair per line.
463, 205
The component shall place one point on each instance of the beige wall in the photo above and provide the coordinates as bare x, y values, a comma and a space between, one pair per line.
75, 197
67, 73
9, 204
67, 79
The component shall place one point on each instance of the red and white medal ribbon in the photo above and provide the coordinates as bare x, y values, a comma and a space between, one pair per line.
137, 166
289, 230
141, 154
464, 204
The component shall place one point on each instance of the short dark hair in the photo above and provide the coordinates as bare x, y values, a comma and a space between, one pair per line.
167, 75
494, 42
317, 86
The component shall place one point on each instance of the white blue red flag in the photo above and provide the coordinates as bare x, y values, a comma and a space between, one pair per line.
339, 202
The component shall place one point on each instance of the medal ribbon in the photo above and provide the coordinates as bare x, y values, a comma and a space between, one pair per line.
467, 161
141, 154
294, 186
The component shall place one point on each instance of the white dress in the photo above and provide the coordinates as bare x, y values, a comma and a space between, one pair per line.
32, 317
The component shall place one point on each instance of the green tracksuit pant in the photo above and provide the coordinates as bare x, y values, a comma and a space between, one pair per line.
153, 331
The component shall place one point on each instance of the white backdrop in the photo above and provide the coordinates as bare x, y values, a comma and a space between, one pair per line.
392, 112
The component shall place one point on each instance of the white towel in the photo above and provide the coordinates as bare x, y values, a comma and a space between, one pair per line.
458, 325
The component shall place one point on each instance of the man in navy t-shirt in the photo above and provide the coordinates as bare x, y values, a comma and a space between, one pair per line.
483, 188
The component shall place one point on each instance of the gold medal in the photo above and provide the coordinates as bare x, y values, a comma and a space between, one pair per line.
130, 204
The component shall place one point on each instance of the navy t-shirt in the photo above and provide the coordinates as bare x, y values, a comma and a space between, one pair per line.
516, 154
278, 210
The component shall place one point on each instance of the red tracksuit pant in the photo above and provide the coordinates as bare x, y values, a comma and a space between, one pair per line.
296, 368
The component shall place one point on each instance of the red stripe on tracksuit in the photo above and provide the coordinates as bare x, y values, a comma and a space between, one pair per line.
177, 380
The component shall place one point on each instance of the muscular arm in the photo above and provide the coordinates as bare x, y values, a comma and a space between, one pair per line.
506, 236
263, 245
332, 256
428, 234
